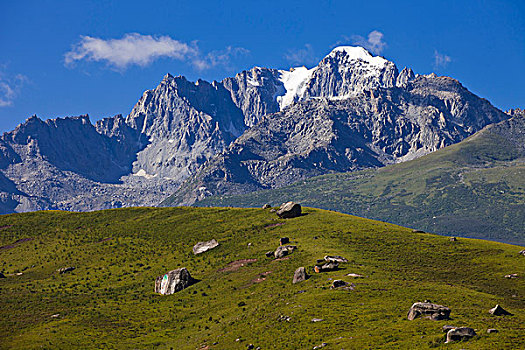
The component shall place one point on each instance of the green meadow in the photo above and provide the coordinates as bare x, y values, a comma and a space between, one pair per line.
108, 300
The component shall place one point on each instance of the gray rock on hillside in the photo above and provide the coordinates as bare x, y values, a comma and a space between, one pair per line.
299, 275
202, 247
335, 258
331, 266
284, 250
460, 333
289, 210
499, 311
340, 284
428, 310
173, 281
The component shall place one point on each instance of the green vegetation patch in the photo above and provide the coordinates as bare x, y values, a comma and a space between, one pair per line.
107, 301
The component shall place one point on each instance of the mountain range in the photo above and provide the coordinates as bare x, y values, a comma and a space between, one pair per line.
263, 128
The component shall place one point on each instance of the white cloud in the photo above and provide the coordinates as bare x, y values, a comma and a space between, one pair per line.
441, 60
10, 88
374, 43
301, 56
142, 50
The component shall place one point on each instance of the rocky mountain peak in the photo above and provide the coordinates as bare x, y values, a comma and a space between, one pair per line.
346, 54
345, 72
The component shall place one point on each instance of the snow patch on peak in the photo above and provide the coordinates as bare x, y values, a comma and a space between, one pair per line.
359, 53
294, 82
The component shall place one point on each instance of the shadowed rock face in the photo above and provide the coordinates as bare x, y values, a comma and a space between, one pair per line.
299, 275
173, 281
262, 128
460, 333
499, 311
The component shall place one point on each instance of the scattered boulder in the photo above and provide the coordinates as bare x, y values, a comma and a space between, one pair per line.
173, 281
355, 275
202, 247
63, 270
499, 311
512, 275
300, 275
340, 284
289, 210
284, 240
317, 320
335, 258
522, 252
453, 239
460, 333
284, 250
418, 231
492, 330
428, 310
269, 254
332, 266
266, 206
322, 345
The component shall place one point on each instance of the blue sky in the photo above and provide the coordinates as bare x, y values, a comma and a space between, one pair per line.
60, 58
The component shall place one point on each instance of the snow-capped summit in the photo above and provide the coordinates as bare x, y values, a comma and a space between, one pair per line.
359, 53
344, 72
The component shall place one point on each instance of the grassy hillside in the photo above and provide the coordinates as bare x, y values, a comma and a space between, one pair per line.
475, 188
108, 300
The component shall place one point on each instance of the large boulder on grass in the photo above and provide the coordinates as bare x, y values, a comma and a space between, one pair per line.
460, 333
300, 275
202, 247
335, 258
331, 266
173, 281
289, 210
428, 310
284, 250
499, 311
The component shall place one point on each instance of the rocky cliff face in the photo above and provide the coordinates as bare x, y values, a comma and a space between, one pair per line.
185, 124
68, 163
323, 135
351, 111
